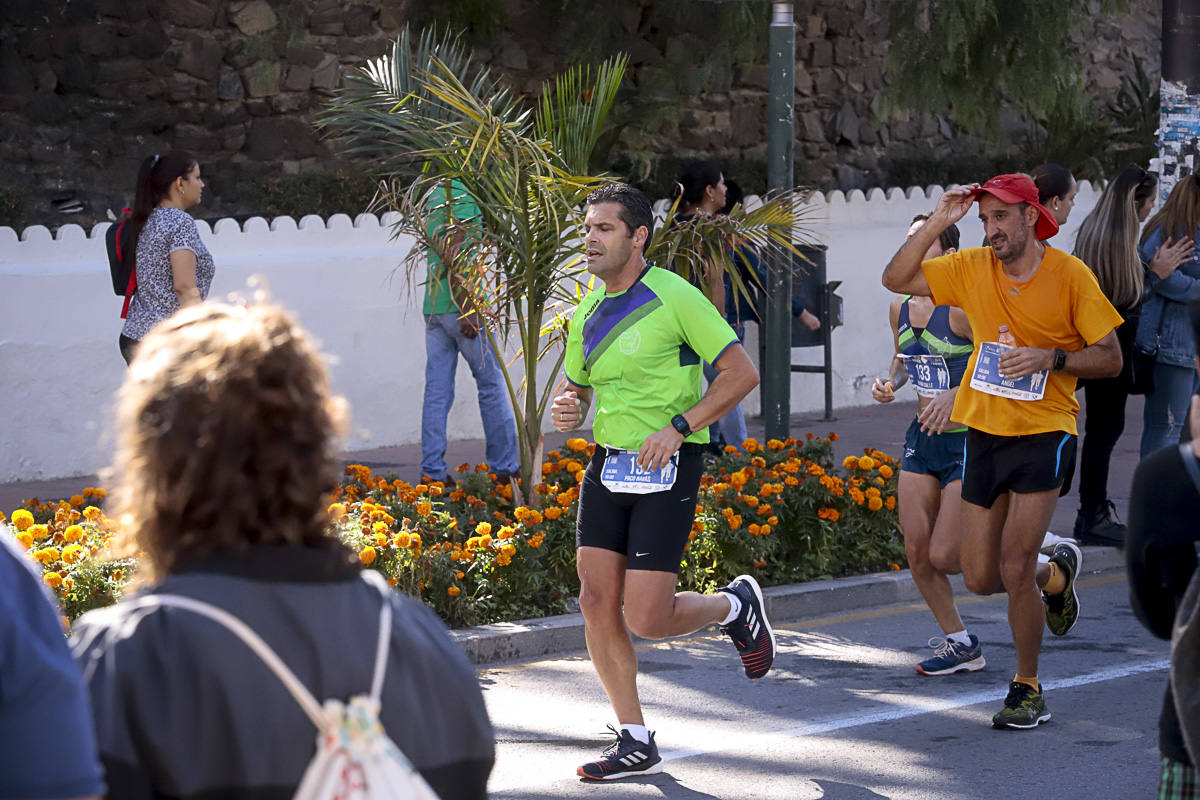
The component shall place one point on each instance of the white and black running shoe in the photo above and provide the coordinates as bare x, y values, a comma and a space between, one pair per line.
751, 632
624, 758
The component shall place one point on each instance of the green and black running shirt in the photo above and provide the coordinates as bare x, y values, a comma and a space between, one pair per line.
641, 350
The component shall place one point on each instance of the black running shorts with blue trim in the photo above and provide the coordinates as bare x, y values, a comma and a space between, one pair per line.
1035, 462
938, 454
651, 530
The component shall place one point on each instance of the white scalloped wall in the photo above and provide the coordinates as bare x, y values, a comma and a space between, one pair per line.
59, 320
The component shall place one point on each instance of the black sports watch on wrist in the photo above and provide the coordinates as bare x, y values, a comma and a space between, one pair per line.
1060, 360
680, 423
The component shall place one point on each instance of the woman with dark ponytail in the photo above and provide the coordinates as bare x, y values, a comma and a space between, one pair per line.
174, 268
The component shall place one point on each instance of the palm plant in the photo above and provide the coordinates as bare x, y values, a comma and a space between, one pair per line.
428, 119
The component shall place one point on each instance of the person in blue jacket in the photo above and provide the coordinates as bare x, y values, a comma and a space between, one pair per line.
1163, 327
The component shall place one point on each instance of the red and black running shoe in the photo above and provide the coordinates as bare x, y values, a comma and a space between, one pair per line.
751, 632
624, 758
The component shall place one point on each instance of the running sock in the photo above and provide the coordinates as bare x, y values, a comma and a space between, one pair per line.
960, 636
1031, 682
638, 732
1057, 582
735, 607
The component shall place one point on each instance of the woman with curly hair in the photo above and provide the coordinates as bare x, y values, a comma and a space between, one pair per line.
226, 458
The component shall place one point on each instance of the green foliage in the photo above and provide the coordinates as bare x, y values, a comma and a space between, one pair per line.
316, 192
14, 206
976, 56
481, 20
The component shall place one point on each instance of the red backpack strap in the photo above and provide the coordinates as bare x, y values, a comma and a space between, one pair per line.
131, 287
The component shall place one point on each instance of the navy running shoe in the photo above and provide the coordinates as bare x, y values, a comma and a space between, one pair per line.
949, 657
750, 631
624, 758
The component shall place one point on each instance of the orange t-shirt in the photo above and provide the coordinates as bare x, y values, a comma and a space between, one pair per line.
1061, 306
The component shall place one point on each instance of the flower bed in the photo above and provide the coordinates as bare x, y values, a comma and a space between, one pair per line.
783, 511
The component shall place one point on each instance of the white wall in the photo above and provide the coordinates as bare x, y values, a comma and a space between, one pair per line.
59, 321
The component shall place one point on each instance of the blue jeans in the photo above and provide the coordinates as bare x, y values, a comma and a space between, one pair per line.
444, 342
1167, 406
731, 428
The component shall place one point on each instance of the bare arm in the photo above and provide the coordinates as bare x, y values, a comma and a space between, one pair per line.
903, 273
1100, 360
183, 277
736, 376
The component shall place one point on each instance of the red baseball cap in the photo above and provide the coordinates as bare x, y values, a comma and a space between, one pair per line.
1021, 189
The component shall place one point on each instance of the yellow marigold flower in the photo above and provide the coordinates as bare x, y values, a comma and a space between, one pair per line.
503, 559
885, 471
72, 553
46, 554
553, 512
520, 512
40, 531
92, 513
336, 511
874, 503
25, 539
534, 517
890, 503
366, 555
453, 591
22, 519
424, 508
483, 529
379, 527
577, 445
866, 462
506, 532
381, 540
485, 541
402, 540
52, 579
508, 549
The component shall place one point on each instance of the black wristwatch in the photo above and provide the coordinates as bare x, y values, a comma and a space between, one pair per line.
680, 423
1060, 360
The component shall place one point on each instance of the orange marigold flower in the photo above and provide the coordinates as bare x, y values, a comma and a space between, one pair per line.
758, 461
577, 445
336, 511
52, 579
508, 549
697, 525
436, 489
874, 503
77, 500
872, 492
890, 503
93, 492
774, 444
730, 449
750, 500
866, 462
808, 436
815, 469
564, 499
792, 480
424, 508
534, 517
366, 555
536, 540
850, 462
553, 512
764, 530
763, 510
772, 521
762, 562
506, 532
894, 565
735, 522
833, 436
483, 529
485, 540
885, 471
753, 528
402, 540
453, 591
750, 445
830, 514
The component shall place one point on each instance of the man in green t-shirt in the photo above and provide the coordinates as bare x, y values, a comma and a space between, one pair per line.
636, 348
452, 329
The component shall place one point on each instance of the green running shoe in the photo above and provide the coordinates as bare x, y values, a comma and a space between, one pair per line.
1062, 610
1023, 708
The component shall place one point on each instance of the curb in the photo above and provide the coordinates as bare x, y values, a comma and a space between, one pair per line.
563, 634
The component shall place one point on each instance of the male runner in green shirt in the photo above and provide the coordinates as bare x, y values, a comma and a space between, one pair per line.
637, 345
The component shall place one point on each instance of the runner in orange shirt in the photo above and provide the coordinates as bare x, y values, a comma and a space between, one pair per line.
1040, 322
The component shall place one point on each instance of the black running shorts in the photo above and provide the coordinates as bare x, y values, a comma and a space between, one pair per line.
650, 529
1036, 462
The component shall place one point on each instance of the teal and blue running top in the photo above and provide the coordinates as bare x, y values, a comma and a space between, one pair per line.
935, 339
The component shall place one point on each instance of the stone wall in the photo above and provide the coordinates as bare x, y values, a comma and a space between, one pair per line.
90, 87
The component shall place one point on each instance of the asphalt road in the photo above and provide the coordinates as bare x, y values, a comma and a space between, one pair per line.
843, 715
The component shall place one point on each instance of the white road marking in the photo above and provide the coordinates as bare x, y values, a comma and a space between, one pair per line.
905, 708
